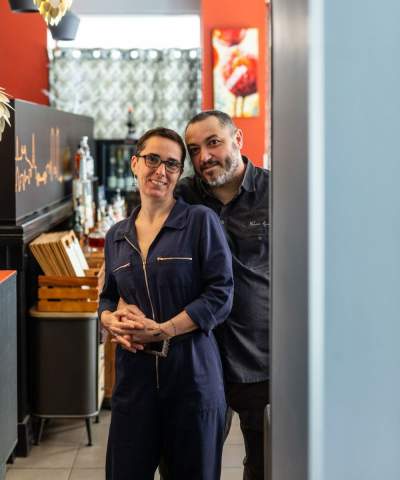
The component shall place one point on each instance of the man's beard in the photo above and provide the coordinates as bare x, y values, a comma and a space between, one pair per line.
231, 165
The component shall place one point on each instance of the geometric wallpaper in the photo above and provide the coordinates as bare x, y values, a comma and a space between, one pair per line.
162, 86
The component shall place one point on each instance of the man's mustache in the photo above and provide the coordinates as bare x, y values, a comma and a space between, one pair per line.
208, 164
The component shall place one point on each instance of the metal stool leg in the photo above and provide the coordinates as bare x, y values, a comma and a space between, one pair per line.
89, 431
40, 430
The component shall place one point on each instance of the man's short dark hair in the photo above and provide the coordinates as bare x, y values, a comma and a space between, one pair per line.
223, 118
163, 133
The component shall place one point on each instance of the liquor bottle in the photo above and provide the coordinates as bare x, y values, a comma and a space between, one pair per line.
112, 175
77, 160
78, 227
120, 179
118, 207
127, 170
120, 169
85, 190
96, 238
130, 137
89, 159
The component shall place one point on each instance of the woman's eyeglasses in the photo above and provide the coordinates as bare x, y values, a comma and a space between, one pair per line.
154, 161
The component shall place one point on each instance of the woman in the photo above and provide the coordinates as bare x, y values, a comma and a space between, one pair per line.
171, 260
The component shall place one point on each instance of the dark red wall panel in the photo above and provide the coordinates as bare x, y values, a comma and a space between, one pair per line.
23, 54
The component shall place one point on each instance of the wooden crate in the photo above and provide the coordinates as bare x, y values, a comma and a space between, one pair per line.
68, 294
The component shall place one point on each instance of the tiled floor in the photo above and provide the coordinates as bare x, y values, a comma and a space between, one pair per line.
63, 454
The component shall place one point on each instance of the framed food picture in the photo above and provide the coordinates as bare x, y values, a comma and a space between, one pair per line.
235, 68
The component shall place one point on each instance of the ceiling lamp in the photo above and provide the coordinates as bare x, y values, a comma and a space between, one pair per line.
67, 28
53, 10
22, 6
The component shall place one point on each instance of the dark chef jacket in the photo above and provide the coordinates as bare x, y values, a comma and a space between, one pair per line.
188, 267
243, 339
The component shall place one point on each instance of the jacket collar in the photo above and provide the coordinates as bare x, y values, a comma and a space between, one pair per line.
248, 182
176, 220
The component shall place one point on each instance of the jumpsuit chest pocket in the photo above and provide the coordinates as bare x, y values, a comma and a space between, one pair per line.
122, 267
125, 275
174, 270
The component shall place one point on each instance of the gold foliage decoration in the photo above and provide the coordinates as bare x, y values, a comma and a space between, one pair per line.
4, 111
53, 10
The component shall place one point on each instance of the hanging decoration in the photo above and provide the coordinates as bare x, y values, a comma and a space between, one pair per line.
4, 111
53, 10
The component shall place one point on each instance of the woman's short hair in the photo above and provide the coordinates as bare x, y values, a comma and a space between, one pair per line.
163, 133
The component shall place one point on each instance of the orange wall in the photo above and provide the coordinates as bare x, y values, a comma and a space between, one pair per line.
238, 13
23, 55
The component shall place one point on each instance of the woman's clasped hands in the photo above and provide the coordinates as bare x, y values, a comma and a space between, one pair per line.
130, 328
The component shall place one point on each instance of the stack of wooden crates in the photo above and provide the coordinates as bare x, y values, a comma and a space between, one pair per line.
68, 283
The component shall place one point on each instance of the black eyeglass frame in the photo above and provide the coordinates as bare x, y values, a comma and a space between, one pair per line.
160, 161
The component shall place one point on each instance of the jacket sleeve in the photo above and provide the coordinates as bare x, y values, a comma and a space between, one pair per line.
109, 295
214, 304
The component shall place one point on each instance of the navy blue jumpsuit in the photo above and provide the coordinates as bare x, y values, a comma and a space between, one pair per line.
172, 406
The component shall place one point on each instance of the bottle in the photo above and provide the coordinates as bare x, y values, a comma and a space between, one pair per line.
84, 187
89, 159
83, 167
128, 172
131, 126
96, 237
77, 160
120, 179
109, 218
112, 177
76, 191
78, 228
118, 207
120, 169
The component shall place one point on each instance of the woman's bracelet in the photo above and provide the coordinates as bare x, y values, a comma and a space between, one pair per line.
162, 329
173, 324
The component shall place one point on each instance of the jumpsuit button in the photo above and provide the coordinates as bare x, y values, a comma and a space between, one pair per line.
222, 222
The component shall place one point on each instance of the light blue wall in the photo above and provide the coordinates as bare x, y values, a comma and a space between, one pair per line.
355, 309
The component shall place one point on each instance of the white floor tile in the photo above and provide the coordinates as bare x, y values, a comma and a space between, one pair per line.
48, 456
232, 474
91, 457
87, 474
233, 455
38, 474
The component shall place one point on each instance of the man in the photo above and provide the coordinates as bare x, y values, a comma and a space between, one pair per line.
238, 192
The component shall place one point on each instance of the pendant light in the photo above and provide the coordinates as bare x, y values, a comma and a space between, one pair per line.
67, 28
25, 6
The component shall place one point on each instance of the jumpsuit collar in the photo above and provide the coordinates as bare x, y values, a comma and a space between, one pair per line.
177, 220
